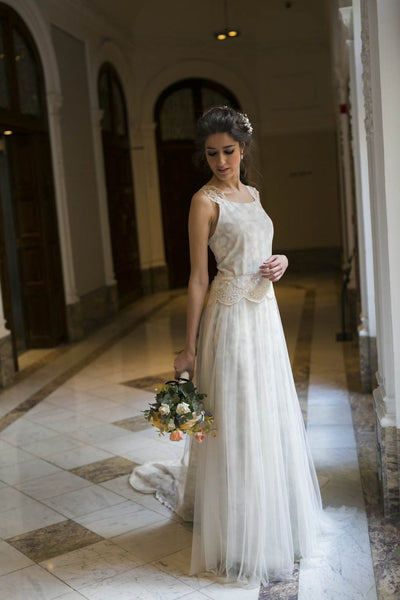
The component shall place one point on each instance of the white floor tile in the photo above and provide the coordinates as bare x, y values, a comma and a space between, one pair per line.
330, 414
77, 457
141, 583
31, 583
100, 433
50, 446
23, 432
11, 559
11, 455
120, 445
25, 471
32, 516
178, 565
52, 485
155, 541
75, 422
83, 501
91, 564
331, 436
13, 499
116, 520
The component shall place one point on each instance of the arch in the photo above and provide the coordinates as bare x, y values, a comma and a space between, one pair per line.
189, 69
144, 169
31, 15
108, 51
38, 28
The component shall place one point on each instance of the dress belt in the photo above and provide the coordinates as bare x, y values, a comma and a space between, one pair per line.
229, 289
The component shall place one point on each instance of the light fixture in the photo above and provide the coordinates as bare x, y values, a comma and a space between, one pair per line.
227, 32
7, 132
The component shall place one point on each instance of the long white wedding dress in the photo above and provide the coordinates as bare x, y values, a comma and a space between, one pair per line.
253, 487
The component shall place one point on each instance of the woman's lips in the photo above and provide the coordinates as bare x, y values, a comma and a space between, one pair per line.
223, 170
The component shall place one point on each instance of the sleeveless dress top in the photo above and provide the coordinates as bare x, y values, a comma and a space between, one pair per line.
237, 250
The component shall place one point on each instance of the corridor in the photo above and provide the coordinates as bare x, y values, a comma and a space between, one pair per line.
71, 430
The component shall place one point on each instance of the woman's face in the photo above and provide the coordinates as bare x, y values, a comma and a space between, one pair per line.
223, 155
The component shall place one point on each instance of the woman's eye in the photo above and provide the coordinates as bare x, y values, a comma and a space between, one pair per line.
211, 153
229, 151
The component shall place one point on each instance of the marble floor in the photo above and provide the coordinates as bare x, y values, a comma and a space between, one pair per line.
71, 430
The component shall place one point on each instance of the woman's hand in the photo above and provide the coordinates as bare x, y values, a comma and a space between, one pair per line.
274, 267
184, 362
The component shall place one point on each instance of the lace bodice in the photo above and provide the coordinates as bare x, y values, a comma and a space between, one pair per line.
241, 242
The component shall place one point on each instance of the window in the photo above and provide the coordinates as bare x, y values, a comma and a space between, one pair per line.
4, 84
27, 76
112, 102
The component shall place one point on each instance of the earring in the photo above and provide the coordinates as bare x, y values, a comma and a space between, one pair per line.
241, 156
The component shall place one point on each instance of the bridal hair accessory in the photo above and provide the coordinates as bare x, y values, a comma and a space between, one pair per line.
246, 123
178, 409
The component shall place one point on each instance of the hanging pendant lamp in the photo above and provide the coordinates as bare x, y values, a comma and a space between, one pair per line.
227, 32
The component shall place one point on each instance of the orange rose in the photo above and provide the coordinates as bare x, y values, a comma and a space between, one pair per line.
199, 436
176, 436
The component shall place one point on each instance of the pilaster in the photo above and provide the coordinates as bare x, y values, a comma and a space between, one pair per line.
148, 207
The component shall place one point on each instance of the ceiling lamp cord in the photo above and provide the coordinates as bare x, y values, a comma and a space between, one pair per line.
227, 32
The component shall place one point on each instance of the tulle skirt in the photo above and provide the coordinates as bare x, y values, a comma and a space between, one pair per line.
251, 491
257, 503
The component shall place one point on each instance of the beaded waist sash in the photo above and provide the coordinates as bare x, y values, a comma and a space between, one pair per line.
228, 289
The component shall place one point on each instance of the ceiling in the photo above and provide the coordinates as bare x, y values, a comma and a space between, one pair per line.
262, 22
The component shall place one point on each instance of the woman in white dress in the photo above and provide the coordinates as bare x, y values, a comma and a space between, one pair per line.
256, 499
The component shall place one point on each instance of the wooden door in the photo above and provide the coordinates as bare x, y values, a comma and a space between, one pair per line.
176, 113
31, 269
119, 183
36, 233
179, 181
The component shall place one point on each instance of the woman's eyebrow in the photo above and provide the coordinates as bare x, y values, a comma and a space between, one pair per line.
223, 147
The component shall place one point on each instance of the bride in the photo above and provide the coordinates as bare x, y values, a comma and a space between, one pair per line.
252, 490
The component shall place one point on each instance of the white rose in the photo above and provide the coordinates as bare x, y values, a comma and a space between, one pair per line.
182, 408
171, 425
164, 409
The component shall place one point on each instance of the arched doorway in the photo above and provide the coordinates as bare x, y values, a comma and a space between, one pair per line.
30, 260
119, 183
176, 113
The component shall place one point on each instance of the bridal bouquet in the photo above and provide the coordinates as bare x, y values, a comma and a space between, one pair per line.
178, 409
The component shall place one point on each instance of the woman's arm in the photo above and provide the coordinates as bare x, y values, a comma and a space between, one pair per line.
201, 217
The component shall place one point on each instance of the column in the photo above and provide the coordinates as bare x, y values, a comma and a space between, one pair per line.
380, 50
72, 300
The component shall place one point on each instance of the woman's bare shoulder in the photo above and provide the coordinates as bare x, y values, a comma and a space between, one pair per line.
201, 198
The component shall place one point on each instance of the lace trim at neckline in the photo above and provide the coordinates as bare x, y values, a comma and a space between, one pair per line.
222, 196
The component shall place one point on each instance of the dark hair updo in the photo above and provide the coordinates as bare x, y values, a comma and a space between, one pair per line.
224, 119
